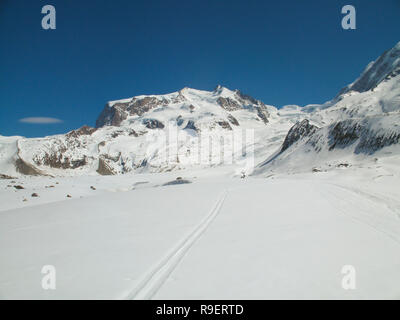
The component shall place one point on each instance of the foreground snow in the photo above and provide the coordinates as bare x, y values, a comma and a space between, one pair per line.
285, 236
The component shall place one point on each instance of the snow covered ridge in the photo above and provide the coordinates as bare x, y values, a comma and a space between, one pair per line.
363, 120
349, 141
196, 128
187, 100
384, 68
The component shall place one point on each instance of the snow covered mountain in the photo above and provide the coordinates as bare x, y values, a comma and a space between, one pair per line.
361, 121
184, 129
151, 133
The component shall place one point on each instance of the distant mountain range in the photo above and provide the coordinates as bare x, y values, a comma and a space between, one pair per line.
361, 122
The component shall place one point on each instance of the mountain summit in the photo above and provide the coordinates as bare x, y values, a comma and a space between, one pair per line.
187, 103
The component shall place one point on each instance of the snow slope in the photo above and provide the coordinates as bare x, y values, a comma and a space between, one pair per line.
360, 123
217, 237
8, 153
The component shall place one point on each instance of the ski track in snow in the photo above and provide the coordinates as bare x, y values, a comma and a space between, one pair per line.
392, 204
377, 223
153, 281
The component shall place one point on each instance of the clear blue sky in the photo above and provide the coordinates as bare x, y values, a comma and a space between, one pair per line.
282, 52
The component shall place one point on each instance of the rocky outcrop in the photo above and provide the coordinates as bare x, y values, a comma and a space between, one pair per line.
298, 131
59, 153
242, 101
103, 168
115, 114
224, 125
366, 135
370, 143
246, 99
6, 177
228, 104
263, 113
369, 135
25, 168
191, 125
130, 132
82, 131
260, 107
233, 120
112, 115
343, 134
143, 105
60, 161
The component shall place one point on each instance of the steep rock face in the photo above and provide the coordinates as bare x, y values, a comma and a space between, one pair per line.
298, 131
263, 113
338, 142
364, 136
139, 106
244, 98
261, 108
103, 168
369, 135
342, 134
112, 115
115, 113
228, 104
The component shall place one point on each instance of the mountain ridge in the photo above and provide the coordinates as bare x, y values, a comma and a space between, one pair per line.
130, 133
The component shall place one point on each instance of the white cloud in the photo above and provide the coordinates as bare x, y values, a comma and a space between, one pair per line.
40, 120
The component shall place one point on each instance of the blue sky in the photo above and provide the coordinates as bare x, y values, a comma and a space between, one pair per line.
282, 52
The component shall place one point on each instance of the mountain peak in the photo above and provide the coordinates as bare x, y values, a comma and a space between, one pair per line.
219, 89
383, 68
216, 102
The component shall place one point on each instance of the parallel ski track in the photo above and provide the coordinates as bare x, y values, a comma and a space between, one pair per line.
154, 280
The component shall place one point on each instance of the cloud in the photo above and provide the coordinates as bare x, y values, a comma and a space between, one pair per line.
40, 120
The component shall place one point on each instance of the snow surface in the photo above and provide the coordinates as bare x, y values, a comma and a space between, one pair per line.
8, 151
287, 236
